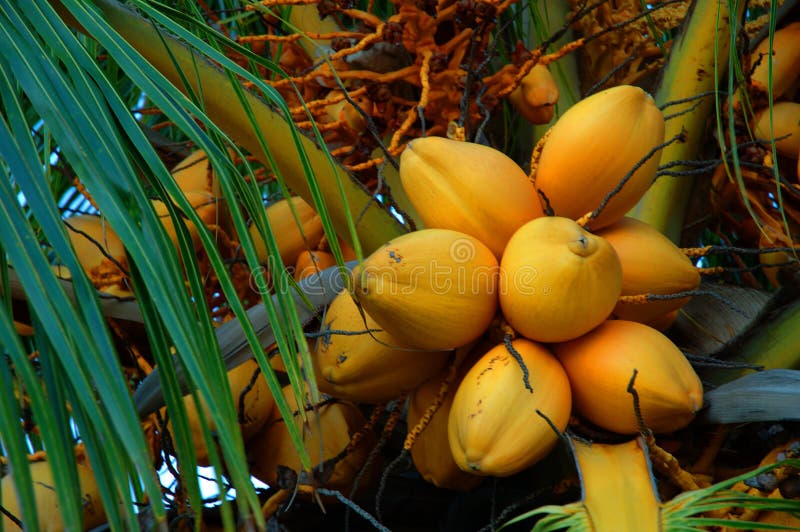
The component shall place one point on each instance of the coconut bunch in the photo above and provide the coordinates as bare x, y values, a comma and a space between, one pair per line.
101, 252
335, 432
553, 258
780, 124
329, 427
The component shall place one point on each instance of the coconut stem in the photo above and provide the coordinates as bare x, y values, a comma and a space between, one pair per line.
694, 67
608, 471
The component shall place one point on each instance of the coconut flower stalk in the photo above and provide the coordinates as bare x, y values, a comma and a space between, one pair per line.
694, 59
620, 495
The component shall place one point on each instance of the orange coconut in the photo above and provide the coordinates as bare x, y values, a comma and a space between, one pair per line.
291, 237
651, 264
536, 96
601, 364
311, 262
593, 146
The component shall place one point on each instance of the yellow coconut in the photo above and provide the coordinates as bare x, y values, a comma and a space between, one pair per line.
593, 146
204, 204
558, 281
329, 431
497, 425
468, 187
651, 264
291, 238
536, 96
785, 127
99, 251
431, 452
434, 288
252, 398
94, 241
785, 60
194, 173
47, 507
601, 364
371, 367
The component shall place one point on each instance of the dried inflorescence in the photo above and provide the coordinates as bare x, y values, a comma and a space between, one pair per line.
624, 57
390, 80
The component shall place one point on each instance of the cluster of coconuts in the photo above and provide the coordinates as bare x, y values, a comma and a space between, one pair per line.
102, 255
781, 123
297, 228
428, 298
301, 243
498, 243
100, 251
328, 429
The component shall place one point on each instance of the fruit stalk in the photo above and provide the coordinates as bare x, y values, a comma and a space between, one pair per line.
695, 63
610, 470
174, 59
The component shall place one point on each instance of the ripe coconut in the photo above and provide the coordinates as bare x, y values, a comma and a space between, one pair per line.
558, 281
601, 364
593, 146
434, 289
